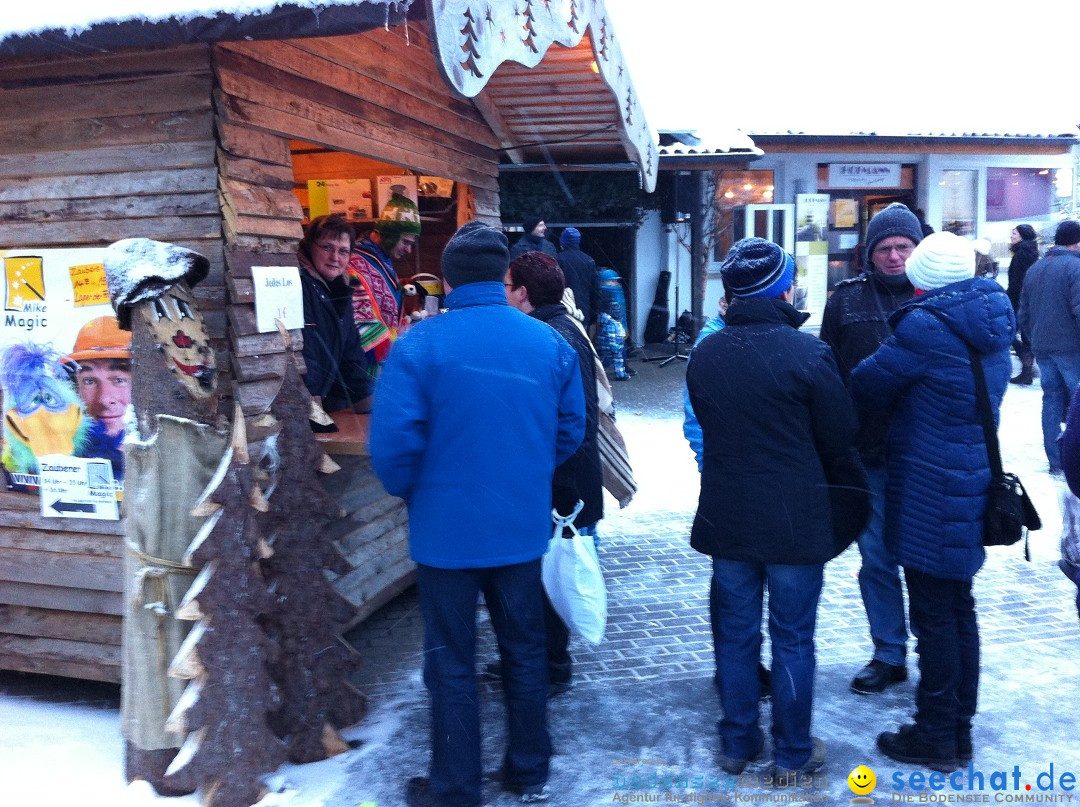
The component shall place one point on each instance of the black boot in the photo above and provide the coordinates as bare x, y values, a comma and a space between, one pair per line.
1025, 377
911, 746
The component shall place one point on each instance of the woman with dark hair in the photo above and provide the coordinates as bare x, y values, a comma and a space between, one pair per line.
1025, 252
337, 371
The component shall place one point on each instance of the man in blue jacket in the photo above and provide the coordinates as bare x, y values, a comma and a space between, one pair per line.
474, 410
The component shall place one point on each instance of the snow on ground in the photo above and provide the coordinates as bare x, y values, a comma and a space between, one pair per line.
61, 744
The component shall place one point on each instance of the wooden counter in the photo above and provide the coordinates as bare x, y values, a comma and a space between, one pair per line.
374, 532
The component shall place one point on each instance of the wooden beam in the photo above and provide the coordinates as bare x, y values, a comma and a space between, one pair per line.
62, 598
85, 186
108, 159
20, 136
137, 96
310, 127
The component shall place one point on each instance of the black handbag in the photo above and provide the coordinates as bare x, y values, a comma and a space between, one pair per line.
1008, 507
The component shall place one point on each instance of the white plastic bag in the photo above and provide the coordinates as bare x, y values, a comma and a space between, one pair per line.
571, 574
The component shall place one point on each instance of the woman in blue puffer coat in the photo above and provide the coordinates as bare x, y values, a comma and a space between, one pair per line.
937, 477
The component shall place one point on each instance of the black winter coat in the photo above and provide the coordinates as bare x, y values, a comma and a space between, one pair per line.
1049, 313
581, 476
337, 370
532, 243
1025, 253
580, 273
776, 419
854, 324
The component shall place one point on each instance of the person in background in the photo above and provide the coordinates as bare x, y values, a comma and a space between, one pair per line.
774, 415
581, 276
612, 310
855, 323
1025, 251
474, 411
376, 286
534, 285
534, 239
101, 360
985, 266
336, 372
1050, 318
938, 475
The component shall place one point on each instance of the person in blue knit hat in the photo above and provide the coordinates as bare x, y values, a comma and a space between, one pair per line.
855, 323
611, 325
778, 426
581, 276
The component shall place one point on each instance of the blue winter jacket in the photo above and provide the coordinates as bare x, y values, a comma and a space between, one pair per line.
691, 429
473, 411
937, 468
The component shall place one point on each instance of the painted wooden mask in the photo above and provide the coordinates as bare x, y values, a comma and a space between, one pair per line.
179, 334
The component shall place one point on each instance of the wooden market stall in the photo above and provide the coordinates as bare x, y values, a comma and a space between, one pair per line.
207, 137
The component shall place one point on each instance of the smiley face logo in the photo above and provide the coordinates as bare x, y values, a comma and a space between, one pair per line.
862, 781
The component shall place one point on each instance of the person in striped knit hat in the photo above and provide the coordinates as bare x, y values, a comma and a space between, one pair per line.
376, 286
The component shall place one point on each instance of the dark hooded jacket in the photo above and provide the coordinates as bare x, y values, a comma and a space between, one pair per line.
854, 324
774, 417
581, 476
581, 276
938, 471
1025, 253
532, 243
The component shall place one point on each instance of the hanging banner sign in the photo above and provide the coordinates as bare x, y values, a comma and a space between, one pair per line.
864, 175
812, 254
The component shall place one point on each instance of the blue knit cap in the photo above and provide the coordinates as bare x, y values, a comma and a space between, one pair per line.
607, 275
755, 267
570, 237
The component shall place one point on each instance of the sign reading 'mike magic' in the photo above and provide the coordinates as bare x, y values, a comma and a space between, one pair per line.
864, 175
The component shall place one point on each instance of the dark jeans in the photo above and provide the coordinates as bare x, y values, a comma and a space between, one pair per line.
943, 620
448, 600
793, 600
879, 580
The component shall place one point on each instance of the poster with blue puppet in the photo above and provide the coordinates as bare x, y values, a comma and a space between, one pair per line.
65, 365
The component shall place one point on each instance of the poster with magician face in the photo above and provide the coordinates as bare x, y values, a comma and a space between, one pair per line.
65, 367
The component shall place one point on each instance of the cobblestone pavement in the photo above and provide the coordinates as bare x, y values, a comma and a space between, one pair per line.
646, 691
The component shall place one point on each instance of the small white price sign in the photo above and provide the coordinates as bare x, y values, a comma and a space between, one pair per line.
277, 296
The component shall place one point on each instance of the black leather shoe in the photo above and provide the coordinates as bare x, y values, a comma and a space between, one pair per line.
910, 746
877, 675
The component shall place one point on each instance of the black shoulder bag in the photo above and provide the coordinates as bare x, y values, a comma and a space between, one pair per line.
1008, 507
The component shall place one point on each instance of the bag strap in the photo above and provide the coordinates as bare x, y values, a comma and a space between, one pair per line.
982, 400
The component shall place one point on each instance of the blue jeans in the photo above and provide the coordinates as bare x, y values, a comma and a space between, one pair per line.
448, 599
793, 599
879, 580
943, 620
1060, 376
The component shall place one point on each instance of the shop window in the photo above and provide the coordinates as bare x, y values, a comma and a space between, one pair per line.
959, 201
736, 189
1019, 193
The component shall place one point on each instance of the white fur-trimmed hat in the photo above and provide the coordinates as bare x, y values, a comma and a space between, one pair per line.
941, 259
